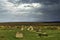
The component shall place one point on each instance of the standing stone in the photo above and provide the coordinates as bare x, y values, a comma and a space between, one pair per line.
30, 28
19, 35
22, 29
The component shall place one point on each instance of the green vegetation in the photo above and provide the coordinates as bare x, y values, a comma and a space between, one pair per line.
9, 32
6, 34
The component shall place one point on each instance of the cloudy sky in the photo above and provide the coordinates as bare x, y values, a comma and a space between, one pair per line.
29, 10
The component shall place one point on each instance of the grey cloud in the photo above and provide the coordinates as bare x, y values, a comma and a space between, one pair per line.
50, 11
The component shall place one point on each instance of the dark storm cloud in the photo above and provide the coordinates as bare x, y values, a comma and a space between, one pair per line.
48, 1
49, 11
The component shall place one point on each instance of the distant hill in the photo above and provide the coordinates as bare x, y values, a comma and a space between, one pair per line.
30, 23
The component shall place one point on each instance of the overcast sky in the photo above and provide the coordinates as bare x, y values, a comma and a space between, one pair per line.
29, 10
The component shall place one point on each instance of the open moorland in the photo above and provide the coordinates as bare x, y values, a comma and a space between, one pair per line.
29, 31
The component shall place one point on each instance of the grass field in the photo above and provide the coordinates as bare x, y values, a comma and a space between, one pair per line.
28, 35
